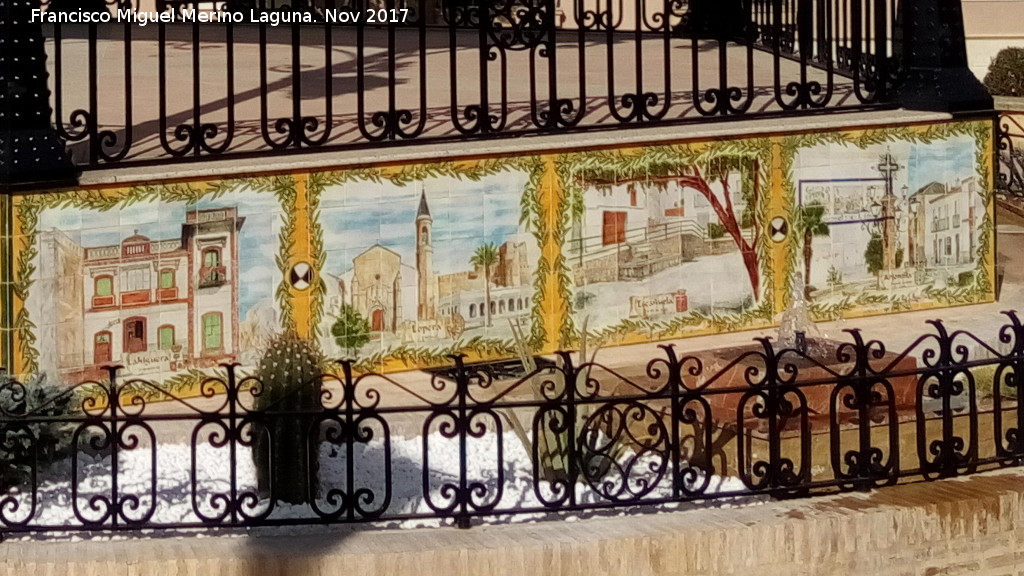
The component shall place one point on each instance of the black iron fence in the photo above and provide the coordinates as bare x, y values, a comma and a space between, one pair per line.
432, 70
1010, 154
466, 442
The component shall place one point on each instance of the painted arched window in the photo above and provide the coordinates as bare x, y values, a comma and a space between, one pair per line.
493, 311
472, 310
135, 335
501, 307
424, 235
212, 272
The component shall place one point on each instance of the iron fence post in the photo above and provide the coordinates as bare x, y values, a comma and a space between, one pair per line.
935, 76
462, 517
114, 402
31, 153
232, 436
674, 367
1009, 441
572, 427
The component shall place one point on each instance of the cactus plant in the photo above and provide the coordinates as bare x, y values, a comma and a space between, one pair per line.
284, 446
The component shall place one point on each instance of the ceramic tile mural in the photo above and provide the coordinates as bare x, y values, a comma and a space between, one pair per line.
400, 266
667, 240
169, 281
433, 265
894, 219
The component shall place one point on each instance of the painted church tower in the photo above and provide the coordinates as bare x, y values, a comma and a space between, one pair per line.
427, 295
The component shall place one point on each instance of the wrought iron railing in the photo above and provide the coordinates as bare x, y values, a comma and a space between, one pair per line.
754, 421
455, 70
1010, 154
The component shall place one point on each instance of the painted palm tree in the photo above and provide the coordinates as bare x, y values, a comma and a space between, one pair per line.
811, 224
485, 257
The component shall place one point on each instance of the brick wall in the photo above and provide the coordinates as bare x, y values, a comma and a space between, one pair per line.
963, 526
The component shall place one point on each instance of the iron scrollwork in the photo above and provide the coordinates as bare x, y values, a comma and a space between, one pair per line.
474, 441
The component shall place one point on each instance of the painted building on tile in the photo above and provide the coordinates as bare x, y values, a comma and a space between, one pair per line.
446, 299
153, 305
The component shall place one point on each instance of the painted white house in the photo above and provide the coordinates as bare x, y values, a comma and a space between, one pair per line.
951, 223
152, 305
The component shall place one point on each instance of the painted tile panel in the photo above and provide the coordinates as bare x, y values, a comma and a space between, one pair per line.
893, 219
398, 267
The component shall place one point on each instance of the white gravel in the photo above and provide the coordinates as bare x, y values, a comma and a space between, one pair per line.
174, 502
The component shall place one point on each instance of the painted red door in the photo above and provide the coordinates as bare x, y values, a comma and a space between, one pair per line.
101, 348
613, 229
377, 321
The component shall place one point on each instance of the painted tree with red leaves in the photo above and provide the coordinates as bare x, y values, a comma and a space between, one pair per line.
717, 172
703, 173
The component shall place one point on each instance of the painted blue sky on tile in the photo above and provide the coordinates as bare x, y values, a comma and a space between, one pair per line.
465, 216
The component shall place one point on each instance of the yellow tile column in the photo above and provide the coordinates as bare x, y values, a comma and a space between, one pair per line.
990, 171
779, 205
555, 307
18, 244
301, 253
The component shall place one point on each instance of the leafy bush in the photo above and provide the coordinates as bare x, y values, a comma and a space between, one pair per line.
32, 435
351, 330
715, 230
835, 277
1006, 74
873, 254
285, 460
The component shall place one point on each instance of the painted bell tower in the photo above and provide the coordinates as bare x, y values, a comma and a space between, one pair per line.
427, 296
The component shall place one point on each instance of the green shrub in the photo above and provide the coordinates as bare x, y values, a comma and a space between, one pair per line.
715, 230
1006, 74
32, 435
351, 330
283, 453
984, 381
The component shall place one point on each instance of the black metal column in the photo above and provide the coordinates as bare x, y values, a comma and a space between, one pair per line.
716, 19
31, 154
934, 52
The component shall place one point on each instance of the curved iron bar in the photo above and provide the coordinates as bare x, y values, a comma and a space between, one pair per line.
1009, 371
952, 454
866, 466
1010, 157
767, 401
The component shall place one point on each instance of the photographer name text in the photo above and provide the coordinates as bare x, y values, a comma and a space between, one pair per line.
274, 18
